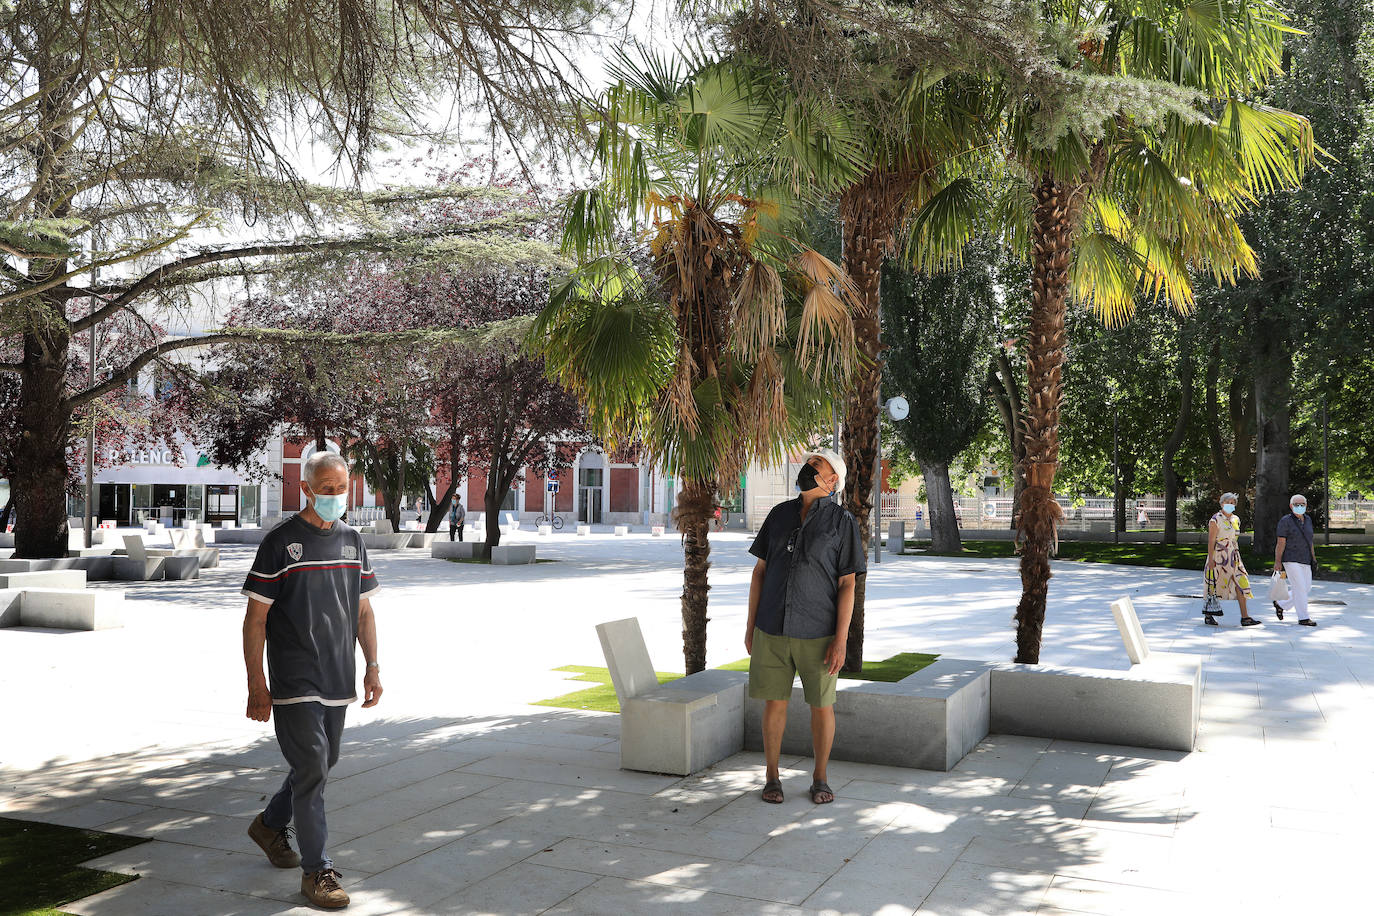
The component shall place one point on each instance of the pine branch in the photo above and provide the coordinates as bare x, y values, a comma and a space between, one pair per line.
131, 371
167, 275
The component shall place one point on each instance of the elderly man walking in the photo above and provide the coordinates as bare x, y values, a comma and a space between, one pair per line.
800, 601
1295, 554
308, 603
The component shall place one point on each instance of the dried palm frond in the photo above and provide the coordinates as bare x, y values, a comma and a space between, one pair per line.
760, 317
679, 402
764, 412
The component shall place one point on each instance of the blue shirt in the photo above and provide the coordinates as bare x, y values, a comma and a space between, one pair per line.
804, 562
1297, 547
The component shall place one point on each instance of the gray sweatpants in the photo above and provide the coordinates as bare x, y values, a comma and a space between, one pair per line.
309, 736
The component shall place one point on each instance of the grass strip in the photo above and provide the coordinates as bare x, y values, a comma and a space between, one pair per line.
1350, 562
39, 870
602, 697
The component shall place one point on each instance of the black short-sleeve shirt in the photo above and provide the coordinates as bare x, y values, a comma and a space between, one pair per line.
804, 562
1297, 531
313, 579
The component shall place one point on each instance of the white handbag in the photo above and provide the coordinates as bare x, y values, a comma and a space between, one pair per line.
1278, 586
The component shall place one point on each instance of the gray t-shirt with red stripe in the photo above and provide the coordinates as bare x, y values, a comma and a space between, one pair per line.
313, 579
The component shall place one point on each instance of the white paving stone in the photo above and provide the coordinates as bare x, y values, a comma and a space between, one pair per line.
453, 796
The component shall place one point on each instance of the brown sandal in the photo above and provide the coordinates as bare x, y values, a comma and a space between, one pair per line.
772, 791
817, 788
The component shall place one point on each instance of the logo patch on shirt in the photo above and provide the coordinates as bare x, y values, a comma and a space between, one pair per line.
294, 551
349, 552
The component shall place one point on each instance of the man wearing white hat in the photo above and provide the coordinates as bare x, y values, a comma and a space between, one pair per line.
800, 602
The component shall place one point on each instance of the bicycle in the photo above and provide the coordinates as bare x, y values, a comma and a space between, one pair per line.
556, 521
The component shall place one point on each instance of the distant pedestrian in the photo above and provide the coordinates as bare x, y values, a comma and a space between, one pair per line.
1225, 573
1142, 517
801, 599
309, 604
1295, 555
457, 516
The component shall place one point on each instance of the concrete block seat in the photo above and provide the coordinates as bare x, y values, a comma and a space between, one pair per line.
512, 554
240, 535
621, 530
458, 550
422, 539
929, 720
681, 727
61, 608
896, 537
1156, 703
46, 578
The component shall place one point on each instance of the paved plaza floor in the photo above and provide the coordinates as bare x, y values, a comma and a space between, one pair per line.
455, 796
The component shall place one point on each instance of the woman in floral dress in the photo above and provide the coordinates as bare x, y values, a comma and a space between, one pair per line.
1225, 573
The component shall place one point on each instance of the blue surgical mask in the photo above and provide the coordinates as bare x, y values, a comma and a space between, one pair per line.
329, 508
1299, 510
1228, 508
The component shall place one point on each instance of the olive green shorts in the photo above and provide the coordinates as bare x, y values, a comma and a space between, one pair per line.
776, 660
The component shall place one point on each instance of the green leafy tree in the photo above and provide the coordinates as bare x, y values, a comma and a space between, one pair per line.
938, 333
155, 142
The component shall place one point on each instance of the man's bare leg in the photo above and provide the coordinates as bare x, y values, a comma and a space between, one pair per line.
774, 721
822, 739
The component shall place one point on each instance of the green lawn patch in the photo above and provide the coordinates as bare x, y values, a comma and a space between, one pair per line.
1350, 562
38, 866
602, 697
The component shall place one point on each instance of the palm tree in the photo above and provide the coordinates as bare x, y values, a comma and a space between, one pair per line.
712, 348
1137, 169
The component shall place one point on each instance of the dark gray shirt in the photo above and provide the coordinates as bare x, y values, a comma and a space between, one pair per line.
1298, 546
313, 579
804, 561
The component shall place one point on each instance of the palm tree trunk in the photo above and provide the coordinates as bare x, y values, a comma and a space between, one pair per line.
692, 514
870, 211
1055, 223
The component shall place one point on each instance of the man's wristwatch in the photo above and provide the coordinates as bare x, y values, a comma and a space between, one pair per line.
375, 665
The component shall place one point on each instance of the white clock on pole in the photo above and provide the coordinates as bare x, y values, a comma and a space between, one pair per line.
897, 408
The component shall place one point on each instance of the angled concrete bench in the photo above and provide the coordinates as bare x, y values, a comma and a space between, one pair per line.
928, 720
1156, 703
680, 727
384, 537
61, 608
187, 542
511, 524
458, 550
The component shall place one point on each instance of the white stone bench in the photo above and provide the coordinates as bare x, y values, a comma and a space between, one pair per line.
622, 530
512, 554
545, 530
47, 578
458, 550
656, 531
680, 727
175, 564
584, 530
928, 720
61, 608
896, 537
243, 535
1157, 703
511, 524
422, 539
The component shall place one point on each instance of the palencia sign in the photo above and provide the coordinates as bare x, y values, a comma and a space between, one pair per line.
142, 456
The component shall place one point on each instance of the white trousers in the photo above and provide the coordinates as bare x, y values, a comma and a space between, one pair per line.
1299, 584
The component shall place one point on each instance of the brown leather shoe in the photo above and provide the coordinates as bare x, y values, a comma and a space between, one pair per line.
322, 889
276, 843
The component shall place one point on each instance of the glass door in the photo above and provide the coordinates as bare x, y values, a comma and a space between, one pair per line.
589, 495
221, 503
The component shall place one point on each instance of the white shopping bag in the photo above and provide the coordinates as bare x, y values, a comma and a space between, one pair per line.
1278, 587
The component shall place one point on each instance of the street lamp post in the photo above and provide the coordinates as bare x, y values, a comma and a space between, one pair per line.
1117, 509
90, 434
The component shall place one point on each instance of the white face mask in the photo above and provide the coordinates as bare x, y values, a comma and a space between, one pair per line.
1229, 508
